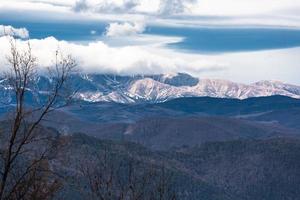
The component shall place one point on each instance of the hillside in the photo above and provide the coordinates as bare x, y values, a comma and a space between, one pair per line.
241, 169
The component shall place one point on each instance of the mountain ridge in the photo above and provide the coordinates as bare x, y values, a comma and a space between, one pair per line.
161, 88
164, 87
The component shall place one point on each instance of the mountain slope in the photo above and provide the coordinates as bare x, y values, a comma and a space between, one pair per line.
167, 133
251, 169
232, 170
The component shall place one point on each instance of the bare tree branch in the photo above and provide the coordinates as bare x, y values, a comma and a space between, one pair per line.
25, 127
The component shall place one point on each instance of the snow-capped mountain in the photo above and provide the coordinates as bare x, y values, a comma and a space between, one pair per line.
159, 88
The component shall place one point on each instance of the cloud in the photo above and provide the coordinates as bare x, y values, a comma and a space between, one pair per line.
80, 6
171, 7
98, 57
159, 12
15, 32
105, 6
167, 8
124, 29
101, 58
243, 7
158, 7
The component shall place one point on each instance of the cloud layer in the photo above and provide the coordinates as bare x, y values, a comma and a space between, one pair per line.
101, 58
154, 59
105, 6
166, 12
156, 7
189, 7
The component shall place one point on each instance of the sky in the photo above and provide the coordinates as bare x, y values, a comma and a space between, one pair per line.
238, 40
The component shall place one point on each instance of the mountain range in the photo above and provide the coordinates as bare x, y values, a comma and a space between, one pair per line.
160, 88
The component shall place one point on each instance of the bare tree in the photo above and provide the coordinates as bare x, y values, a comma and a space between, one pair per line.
25, 172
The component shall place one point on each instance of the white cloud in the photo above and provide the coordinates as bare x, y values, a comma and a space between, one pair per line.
101, 58
37, 5
146, 7
15, 32
243, 7
153, 59
171, 7
118, 29
105, 6
164, 7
